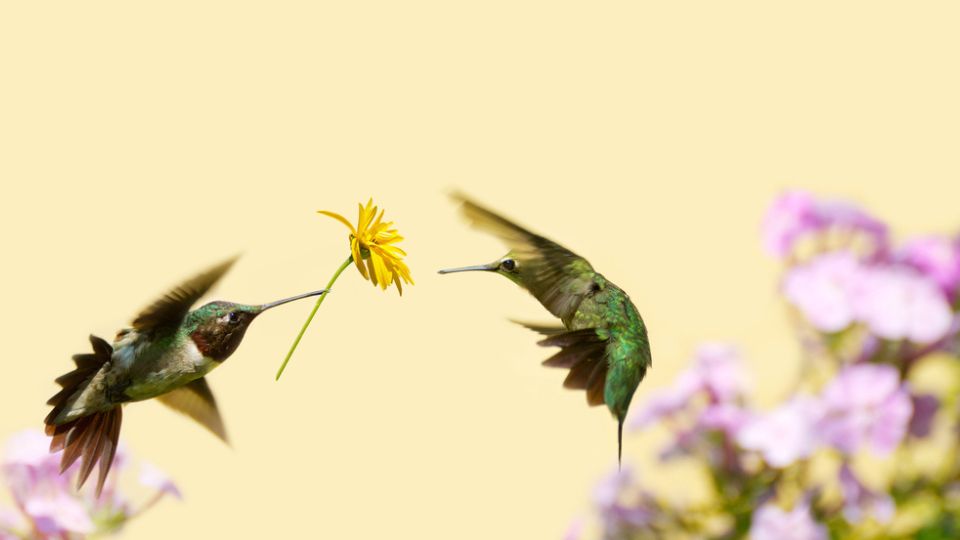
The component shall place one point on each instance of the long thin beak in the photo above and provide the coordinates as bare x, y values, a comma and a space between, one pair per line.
265, 307
489, 267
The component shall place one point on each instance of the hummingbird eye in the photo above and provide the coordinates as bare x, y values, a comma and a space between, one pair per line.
508, 264
233, 317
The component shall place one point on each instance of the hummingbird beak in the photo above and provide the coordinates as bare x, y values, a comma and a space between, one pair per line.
489, 267
267, 306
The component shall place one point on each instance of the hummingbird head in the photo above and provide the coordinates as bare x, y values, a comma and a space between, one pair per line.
507, 266
219, 327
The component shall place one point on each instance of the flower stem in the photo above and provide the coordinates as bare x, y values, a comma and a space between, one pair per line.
316, 306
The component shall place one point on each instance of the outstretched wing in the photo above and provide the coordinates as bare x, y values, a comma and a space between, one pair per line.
169, 310
556, 276
195, 400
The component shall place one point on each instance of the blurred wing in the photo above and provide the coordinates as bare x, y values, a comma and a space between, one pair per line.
556, 276
170, 309
196, 401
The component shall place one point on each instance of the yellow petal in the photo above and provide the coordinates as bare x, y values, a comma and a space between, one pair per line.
339, 218
357, 258
371, 270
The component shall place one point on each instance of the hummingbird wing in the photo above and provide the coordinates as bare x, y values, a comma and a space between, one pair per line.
583, 352
195, 399
556, 276
169, 310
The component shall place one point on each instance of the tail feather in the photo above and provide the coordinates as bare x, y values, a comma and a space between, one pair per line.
620, 442
583, 352
93, 437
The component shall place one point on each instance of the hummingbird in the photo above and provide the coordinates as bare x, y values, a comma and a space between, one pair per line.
165, 354
603, 340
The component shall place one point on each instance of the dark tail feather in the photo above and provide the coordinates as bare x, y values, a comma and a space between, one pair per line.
583, 352
93, 437
619, 443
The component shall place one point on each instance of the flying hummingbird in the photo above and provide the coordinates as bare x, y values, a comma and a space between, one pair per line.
603, 340
165, 355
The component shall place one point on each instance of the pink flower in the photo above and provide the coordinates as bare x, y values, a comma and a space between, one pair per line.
770, 522
824, 290
791, 215
938, 258
668, 401
717, 374
50, 505
33, 475
896, 302
57, 514
785, 434
865, 405
622, 505
721, 371
797, 214
836, 290
725, 417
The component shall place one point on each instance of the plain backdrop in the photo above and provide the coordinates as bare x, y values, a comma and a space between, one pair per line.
142, 141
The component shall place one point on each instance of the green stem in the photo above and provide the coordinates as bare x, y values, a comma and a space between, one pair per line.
316, 306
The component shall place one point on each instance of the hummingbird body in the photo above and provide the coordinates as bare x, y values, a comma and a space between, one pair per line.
627, 349
165, 355
603, 339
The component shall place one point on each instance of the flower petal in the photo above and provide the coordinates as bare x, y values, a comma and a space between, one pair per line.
339, 218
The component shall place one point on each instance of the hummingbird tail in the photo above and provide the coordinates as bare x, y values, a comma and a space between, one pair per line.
94, 436
583, 352
619, 443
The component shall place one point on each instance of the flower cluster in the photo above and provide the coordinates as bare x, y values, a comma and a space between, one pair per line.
871, 317
47, 505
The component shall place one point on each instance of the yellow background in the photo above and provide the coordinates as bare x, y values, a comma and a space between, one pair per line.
142, 141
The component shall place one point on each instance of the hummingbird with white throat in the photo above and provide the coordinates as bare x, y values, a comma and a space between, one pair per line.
165, 354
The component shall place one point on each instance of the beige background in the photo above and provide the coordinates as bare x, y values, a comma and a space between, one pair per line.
142, 141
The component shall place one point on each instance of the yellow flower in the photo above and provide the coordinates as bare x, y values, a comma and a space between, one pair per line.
373, 245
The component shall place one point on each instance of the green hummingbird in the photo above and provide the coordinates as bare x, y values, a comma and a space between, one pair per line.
165, 355
603, 340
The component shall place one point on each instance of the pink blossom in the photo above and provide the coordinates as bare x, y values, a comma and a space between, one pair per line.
785, 434
770, 522
725, 417
721, 371
865, 405
33, 475
621, 504
823, 290
668, 401
897, 302
717, 375
50, 505
791, 215
797, 214
938, 258
57, 513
